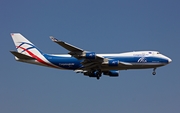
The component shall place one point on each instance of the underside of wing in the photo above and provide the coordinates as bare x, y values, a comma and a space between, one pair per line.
91, 64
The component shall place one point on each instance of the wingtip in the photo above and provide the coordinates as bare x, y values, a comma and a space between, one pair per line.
53, 39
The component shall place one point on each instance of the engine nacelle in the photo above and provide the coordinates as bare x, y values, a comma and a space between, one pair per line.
90, 55
92, 74
112, 73
113, 62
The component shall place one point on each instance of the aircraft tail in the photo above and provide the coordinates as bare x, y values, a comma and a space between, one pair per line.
24, 46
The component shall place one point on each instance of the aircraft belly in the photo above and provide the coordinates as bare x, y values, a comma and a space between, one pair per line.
134, 66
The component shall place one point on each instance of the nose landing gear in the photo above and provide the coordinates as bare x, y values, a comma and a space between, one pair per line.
154, 71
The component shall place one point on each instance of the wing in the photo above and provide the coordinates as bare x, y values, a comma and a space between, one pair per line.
74, 51
90, 59
67, 46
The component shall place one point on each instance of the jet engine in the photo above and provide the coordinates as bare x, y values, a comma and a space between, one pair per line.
96, 74
111, 62
90, 55
112, 73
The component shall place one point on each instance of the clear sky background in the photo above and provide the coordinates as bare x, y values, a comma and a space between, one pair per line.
102, 26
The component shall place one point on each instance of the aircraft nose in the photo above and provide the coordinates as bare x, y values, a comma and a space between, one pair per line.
169, 60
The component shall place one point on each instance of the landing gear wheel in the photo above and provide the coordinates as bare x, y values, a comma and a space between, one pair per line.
98, 77
154, 71
99, 73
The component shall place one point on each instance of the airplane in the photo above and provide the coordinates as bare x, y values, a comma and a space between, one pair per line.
87, 62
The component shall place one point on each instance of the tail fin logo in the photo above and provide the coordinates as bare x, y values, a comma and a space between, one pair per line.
25, 47
32, 54
28, 48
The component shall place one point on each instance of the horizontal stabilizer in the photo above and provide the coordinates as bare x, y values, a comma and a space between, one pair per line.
21, 56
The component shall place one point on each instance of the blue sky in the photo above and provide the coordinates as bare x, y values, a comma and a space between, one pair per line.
96, 25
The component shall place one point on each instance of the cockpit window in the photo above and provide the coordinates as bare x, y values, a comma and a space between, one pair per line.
158, 53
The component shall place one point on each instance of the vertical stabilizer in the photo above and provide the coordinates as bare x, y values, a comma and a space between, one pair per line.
24, 46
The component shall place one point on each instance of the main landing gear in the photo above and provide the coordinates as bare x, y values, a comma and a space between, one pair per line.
154, 71
98, 74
